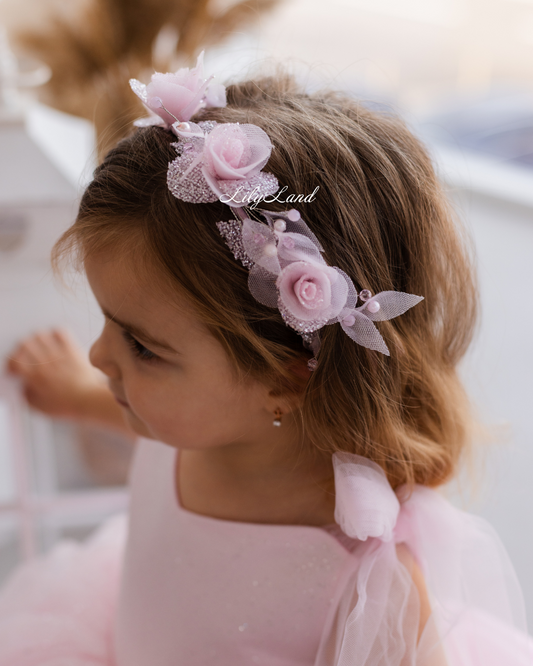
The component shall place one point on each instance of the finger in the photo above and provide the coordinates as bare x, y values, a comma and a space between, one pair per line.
21, 364
63, 336
64, 341
35, 350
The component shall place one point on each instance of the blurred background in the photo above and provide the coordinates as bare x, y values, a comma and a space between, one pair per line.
459, 71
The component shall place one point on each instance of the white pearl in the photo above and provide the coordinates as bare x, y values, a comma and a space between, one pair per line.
184, 127
349, 320
280, 225
293, 215
270, 250
373, 307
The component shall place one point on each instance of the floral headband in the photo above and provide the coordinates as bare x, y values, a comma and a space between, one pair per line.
224, 162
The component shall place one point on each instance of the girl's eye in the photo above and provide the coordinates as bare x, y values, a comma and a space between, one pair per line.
139, 350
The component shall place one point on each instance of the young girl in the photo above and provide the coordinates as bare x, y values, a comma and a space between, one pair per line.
260, 260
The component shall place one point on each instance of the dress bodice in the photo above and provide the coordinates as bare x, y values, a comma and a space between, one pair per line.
198, 590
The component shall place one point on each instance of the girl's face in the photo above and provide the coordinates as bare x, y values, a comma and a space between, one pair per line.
172, 378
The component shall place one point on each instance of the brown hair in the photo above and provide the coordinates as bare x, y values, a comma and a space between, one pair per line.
381, 217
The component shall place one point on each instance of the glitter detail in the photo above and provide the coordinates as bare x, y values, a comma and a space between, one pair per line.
232, 233
299, 325
186, 180
365, 295
190, 186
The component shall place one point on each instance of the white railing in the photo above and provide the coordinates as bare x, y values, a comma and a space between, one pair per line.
21, 501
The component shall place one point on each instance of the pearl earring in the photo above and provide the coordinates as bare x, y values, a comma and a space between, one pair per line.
277, 420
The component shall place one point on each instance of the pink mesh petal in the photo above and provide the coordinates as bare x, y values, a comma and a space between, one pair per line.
293, 226
300, 227
391, 304
256, 237
365, 333
351, 298
262, 285
296, 247
343, 295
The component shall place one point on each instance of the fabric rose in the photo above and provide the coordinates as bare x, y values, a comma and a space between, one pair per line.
236, 152
183, 93
233, 156
311, 291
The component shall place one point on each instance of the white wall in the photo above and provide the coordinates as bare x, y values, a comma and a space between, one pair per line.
499, 371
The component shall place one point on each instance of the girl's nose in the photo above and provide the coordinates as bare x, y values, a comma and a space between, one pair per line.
102, 358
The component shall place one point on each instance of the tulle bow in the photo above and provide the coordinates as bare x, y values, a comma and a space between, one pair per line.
423, 548
366, 505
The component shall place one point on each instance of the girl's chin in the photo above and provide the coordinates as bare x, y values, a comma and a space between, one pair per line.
138, 426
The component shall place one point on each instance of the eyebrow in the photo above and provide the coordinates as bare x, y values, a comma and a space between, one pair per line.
138, 332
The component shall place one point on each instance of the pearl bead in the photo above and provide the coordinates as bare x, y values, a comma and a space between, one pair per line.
280, 225
293, 215
184, 127
312, 364
349, 320
270, 250
373, 307
365, 295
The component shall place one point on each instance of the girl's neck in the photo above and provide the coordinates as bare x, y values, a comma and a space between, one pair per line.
272, 481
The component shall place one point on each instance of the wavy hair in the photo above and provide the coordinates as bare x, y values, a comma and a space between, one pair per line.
382, 218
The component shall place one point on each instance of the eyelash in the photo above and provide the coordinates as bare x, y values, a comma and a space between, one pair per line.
138, 349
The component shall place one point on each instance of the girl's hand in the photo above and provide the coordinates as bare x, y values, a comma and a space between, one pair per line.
57, 377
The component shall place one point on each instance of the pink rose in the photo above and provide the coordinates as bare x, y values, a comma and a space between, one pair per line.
236, 152
312, 290
233, 157
183, 93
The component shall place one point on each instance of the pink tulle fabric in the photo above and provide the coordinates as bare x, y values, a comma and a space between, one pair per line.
60, 610
196, 590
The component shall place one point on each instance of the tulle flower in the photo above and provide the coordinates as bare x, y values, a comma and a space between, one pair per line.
311, 290
288, 271
179, 95
220, 162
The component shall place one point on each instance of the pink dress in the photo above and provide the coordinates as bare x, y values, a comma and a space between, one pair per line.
174, 588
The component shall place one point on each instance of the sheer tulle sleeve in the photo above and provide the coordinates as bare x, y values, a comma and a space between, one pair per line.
59, 610
477, 615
